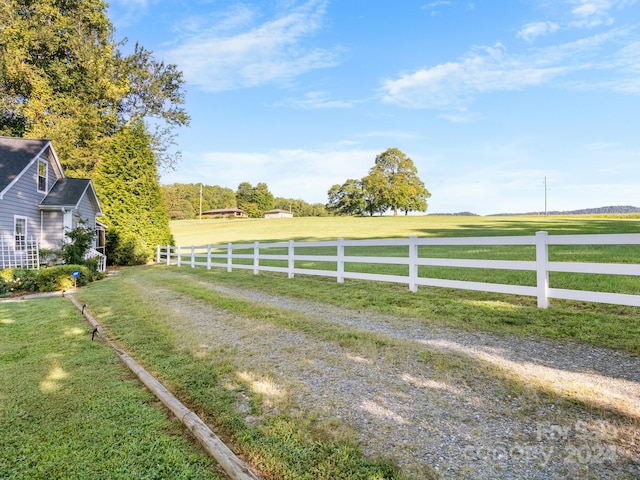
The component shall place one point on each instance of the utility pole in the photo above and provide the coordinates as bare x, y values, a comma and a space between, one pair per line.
545, 195
200, 203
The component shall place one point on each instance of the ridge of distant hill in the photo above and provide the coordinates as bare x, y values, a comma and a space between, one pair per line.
612, 210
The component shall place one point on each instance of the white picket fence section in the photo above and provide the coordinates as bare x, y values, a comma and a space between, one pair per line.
26, 256
209, 256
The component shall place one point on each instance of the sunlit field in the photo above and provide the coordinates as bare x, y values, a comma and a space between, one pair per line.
217, 231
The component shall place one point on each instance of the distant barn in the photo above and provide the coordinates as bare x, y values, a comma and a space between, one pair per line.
224, 213
278, 213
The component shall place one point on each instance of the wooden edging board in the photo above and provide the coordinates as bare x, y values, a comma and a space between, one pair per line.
228, 461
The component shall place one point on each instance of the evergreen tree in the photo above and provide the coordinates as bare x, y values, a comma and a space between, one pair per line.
127, 183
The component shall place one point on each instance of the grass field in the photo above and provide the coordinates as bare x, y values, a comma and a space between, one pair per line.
218, 231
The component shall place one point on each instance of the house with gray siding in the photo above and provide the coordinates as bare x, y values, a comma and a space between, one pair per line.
39, 204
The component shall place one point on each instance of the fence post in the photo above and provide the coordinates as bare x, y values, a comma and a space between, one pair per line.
179, 256
340, 265
193, 256
256, 257
542, 269
209, 256
229, 257
291, 263
157, 253
413, 264
168, 255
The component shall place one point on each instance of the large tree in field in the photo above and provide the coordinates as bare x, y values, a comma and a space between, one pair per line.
127, 182
254, 200
393, 183
347, 199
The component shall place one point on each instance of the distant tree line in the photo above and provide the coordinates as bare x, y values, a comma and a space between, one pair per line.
392, 184
183, 200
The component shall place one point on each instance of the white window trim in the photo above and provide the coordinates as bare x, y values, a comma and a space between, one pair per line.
46, 175
15, 234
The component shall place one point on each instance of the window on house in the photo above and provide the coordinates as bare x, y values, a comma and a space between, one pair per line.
20, 233
42, 176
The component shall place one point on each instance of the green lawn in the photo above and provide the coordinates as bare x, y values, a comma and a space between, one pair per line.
69, 410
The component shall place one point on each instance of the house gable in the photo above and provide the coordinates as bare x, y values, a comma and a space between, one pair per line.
19, 155
69, 193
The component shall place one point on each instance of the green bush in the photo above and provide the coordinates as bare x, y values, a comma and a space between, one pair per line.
127, 249
47, 279
18, 279
53, 279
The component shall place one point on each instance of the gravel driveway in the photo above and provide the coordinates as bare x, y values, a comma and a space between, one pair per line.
453, 403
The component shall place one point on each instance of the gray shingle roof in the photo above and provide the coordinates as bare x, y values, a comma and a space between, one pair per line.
15, 155
67, 192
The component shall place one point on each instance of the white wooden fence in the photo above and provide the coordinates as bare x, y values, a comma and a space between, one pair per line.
223, 256
27, 255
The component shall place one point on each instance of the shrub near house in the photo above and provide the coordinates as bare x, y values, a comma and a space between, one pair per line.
15, 281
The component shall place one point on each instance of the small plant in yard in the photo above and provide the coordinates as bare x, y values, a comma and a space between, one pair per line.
81, 239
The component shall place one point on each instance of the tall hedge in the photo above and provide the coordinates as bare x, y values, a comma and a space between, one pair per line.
127, 185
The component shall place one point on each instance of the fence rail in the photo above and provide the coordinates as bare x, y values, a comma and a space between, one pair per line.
255, 256
27, 255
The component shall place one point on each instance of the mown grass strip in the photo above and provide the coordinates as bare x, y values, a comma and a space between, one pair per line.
600, 325
69, 410
282, 446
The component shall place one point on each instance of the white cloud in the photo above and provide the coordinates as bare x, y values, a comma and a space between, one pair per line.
317, 100
235, 18
128, 12
461, 116
433, 6
452, 85
531, 31
595, 13
222, 58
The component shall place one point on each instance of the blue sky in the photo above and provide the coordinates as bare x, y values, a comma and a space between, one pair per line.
487, 97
